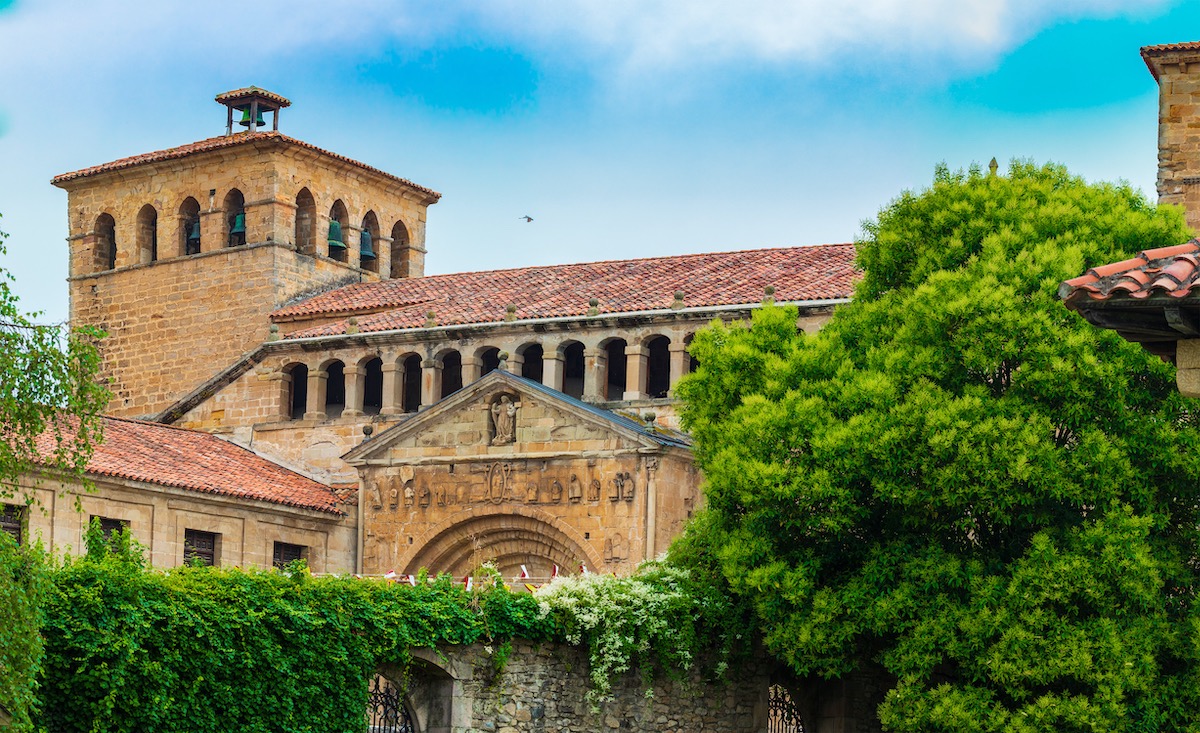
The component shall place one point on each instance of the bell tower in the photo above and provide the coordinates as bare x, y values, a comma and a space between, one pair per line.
1176, 68
180, 255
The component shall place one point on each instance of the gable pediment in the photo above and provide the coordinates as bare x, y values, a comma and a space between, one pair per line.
503, 416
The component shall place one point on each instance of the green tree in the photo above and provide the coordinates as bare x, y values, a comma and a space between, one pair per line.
50, 401
959, 486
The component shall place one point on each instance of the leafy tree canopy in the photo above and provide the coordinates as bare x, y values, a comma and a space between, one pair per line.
960, 481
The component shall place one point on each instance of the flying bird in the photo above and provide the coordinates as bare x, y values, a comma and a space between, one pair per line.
527, 218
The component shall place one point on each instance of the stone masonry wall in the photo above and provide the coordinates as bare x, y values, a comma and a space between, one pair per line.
543, 689
1179, 131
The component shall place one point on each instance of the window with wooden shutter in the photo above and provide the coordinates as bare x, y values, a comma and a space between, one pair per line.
12, 519
286, 553
201, 546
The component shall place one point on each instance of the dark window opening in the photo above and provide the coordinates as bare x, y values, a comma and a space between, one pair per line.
189, 233
12, 521
199, 547
373, 387
335, 389
286, 553
573, 363
306, 219
412, 383
490, 361
401, 265
147, 234
615, 384
109, 528
658, 366
531, 362
105, 253
297, 391
451, 373
235, 218
335, 242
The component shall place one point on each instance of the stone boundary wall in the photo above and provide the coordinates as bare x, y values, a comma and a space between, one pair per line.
543, 688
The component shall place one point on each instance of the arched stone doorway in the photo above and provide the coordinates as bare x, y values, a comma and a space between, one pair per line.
509, 539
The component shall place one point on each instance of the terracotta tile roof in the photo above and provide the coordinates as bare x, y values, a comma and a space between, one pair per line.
247, 92
219, 143
1167, 272
621, 286
1149, 53
196, 461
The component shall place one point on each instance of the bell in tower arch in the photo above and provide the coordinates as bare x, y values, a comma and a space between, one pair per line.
247, 118
364, 247
335, 235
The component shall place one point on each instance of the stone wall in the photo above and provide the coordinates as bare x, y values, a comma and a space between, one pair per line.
544, 688
1178, 74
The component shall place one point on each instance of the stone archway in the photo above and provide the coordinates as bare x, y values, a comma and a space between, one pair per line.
511, 538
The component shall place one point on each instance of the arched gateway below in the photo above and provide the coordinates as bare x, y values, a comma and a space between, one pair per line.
509, 539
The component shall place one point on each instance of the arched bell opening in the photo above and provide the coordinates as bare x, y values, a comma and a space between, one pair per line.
335, 389
372, 386
297, 391
531, 362
412, 383
147, 234
692, 362
368, 253
335, 240
452, 377
306, 222
104, 252
401, 251
489, 359
614, 383
658, 366
189, 226
235, 218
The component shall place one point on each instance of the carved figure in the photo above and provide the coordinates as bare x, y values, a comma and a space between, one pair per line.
440, 493
376, 495
504, 420
620, 548
594, 490
533, 494
608, 550
556, 491
574, 490
409, 494
628, 487
393, 493
618, 486
424, 495
499, 476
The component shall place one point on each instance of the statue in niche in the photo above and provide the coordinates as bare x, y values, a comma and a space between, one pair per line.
628, 487
618, 486
504, 420
608, 550
409, 495
574, 490
376, 496
556, 491
594, 490
499, 482
616, 548
440, 494
424, 495
393, 493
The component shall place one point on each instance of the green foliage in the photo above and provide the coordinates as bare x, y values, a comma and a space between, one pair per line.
960, 479
47, 385
661, 619
23, 582
204, 649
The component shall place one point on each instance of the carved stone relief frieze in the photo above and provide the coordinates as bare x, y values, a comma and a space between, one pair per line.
616, 548
574, 490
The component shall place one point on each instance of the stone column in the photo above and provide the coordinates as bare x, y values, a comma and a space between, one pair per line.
472, 368
354, 389
595, 363
212, 231
513, 364
393, 387
552, 369
431, 382
383, 256
651, 494
679, 363
635, 372
353, 237
283, 388
317, 379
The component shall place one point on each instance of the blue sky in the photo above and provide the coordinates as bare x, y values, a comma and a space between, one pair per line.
624, 128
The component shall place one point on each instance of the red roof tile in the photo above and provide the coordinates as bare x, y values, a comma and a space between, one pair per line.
621, 286
1152, 52
219, 143
247, 92
196, 461
1166, 272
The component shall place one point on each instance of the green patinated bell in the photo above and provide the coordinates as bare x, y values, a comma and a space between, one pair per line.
335, 235
245, 121
239, 224
364, 247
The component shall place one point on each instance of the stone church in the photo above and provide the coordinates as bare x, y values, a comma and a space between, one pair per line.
287, 383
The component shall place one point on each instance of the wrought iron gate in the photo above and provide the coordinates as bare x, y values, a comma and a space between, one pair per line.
386, 712
784, 715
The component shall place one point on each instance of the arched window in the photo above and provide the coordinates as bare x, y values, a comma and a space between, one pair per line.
400, 251
335, 389
189, 226
235, 218
451, 373
335, 240
615, 381
572, 353
297, 390
306, 222
412, 383
489, 359
147, 234
104, 255
693, 362
373, 387
658, 366
531, 362
368, 243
